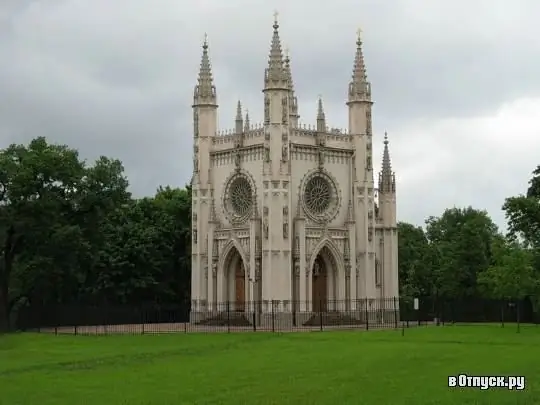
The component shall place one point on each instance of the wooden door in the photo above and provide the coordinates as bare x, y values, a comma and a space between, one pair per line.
240, 289
319, 288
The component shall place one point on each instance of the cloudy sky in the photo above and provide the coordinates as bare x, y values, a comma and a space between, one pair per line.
456, 84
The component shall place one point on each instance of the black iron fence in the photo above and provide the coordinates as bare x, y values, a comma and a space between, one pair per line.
269, 316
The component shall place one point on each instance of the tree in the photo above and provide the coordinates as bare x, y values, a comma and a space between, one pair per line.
35, 184
523, 216
415, 272
460, 243
511, 276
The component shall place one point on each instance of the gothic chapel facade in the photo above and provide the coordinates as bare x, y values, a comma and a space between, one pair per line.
288, 216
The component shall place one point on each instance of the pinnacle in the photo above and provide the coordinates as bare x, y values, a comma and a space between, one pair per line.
359, 89
288, 72
275, 71
239, 111
320, 109
386, 164
246, 122
205, 88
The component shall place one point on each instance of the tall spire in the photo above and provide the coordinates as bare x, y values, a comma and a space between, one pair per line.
205, 91
321, 120
246, 122
239, 122
275, 75
288, 72
359, 87
386, 165
293, 101
387, 181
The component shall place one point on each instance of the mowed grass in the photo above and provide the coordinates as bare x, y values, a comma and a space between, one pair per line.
347, 367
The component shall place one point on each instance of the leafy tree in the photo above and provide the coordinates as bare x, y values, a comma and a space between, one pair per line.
415, 272
35, 184
460, 249
511, 276
523, 216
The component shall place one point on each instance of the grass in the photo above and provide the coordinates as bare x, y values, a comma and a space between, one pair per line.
355, 367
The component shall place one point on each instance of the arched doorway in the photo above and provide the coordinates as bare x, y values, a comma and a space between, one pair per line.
319, 289
235, 281
240, 287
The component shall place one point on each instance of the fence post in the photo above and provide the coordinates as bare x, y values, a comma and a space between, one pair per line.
228, 318
273, 317
254, 318
518, 305
395, 313
143, 319
320, 315
502, 313
367, 314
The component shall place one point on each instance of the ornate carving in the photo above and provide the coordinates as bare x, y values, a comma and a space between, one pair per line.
285, 230
265, 228
206, 271
321, 156
266, 134
369, 164
266, 153
257, 270
316, 268
284, 110
196, 159
265, 211
347, 270
284, 154
194, 217
297, 268
237, 159
214, 269
266, 110
196, 123
195, 236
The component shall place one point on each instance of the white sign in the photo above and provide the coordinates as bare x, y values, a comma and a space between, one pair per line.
416, 304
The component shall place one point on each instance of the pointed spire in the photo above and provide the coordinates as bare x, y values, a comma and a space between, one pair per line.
293, 101
205, 91
239, 111
275, 76
321, 121
386, 165
320, 109
288, 71
387, 181
239, 122
246, 122
359, 87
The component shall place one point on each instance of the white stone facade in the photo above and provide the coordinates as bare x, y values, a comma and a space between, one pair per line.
288, 216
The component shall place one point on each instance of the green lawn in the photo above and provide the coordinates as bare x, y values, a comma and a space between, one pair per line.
347, 367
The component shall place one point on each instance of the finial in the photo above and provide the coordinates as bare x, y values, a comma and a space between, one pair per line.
286, 50
385, 138
205, 42
276, 25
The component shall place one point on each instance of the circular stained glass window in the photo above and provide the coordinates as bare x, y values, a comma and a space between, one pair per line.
240, 196
318, 195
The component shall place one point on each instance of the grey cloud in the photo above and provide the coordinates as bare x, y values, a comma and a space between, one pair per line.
113, 79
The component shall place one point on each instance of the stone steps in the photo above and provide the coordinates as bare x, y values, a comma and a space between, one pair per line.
224, 319
332, 319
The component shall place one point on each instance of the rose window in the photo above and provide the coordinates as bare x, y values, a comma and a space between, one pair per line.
318, 195
240, 196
